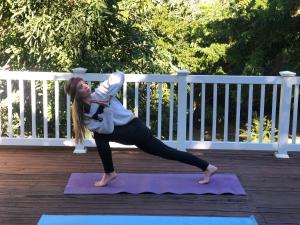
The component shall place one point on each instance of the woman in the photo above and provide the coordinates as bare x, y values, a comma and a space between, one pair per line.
102, 113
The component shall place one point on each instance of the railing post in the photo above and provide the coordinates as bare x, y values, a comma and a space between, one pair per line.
182, 108
284, 113
79, 148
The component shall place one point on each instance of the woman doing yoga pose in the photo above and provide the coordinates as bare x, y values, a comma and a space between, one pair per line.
103, 114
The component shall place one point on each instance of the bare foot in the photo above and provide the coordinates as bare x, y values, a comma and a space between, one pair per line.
211, 169
107, 177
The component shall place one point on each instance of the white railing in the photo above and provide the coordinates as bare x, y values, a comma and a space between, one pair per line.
180, 94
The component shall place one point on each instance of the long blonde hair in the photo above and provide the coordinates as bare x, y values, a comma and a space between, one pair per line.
77, 109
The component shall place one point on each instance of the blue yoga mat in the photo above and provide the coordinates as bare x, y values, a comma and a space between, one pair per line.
143, 220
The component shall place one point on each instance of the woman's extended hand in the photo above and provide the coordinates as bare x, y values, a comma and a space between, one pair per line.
104, 103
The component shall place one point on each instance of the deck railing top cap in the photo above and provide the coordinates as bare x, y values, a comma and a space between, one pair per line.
287, 73
79, 70
183, 72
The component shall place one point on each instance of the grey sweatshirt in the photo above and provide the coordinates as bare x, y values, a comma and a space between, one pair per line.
113, 115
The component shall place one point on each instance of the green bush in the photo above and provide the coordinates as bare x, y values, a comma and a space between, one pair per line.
255, 129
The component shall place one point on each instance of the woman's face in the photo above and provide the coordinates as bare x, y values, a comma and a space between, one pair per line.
83, 89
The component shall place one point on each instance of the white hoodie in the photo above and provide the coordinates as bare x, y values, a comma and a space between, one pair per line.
115, 114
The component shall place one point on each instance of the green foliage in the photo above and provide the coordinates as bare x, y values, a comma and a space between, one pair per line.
260, 36
4, 116
255, 129
211, 37
217, 37
168, 24
60, 35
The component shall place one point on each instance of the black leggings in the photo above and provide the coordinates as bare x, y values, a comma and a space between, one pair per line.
136, 133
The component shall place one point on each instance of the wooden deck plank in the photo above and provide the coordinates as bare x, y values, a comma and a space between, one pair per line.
32, 181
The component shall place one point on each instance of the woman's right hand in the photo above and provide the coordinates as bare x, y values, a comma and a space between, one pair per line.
104, 103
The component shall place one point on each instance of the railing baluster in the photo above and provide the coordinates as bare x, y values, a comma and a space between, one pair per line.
202, 111
171, 111
191, 112
33, 109
21, 91
125, 94
215, 102
0, 122
226, 112
250, 102
56, 89
295, 113
89, 132
261, 112
238, 112
159, 110
68, 117
9, 108
136, 99
274, 103
148, 106
45, 108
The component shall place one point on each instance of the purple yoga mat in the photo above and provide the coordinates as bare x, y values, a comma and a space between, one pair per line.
135, 183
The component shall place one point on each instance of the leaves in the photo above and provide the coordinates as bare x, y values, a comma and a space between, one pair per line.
256, 37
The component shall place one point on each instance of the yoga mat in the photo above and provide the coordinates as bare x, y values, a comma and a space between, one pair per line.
143, 220
135, 183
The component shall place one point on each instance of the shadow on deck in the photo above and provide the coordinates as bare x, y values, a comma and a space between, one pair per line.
32, 182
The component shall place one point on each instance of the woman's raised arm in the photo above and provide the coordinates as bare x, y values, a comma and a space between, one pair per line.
112, 85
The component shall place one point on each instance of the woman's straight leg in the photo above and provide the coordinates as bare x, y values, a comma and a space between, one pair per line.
158, 148
148, 143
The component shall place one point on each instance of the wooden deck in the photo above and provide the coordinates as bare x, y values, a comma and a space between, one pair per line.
32, 183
